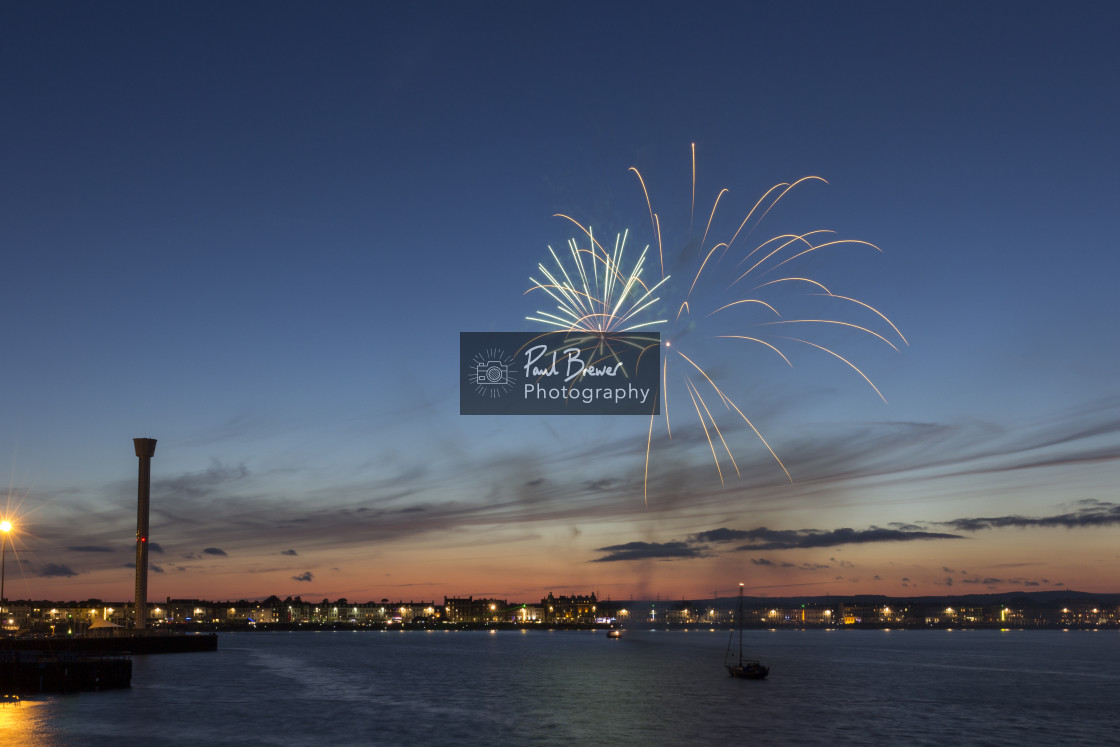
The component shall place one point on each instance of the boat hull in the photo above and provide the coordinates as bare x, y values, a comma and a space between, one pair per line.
748, 671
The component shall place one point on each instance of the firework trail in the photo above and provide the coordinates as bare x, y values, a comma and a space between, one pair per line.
603, 292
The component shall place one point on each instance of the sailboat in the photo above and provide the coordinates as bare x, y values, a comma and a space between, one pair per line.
747, 669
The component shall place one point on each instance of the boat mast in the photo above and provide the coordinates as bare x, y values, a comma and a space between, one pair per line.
740, 624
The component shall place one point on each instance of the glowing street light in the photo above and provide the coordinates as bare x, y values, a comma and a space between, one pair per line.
5, 528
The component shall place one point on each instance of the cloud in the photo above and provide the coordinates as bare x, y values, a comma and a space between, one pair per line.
762, 538
155, 568
895, 448
56, 570
194, 485
902, 452
649, 551
789, 539
723, 534
241, 427
305, 576
1096, 514
90, 548
991, 581
155, 547
391, 501
288, 552
784, 564
215, 551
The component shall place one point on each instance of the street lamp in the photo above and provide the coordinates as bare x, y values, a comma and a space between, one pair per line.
5, 527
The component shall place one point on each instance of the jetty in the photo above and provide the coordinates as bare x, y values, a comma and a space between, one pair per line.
62, 672
125, 641
80, 664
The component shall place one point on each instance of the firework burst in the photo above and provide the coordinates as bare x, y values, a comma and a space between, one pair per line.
738, 291
602, 298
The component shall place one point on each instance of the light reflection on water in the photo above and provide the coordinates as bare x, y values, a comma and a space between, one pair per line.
652, 687
25, 724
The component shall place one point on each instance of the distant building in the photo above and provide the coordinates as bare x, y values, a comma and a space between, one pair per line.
188, 611
525, 613
471, 610
685, 613
1087, 613
571, 610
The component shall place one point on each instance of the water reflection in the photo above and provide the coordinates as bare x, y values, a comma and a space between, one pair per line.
562, 688
25, 722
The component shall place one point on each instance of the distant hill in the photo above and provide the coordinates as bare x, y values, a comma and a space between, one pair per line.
1035, 598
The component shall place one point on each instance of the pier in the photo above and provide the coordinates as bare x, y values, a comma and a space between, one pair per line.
62, 672
150, 642
69, 665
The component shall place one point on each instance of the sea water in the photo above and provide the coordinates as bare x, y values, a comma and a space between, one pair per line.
651, 687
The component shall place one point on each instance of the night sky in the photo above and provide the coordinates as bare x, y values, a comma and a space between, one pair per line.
255, 230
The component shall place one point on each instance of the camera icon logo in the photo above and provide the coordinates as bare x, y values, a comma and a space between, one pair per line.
491, 375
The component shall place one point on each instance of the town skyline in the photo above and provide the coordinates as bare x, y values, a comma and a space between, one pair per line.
1055, 610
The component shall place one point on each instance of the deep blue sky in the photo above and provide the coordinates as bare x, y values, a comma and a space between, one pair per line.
254, 231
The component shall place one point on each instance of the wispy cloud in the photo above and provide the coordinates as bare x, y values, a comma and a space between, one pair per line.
1095, 514
993, 582
239, 508
57, 570
193, 485
723, 534
789, 539
305, 576
786, 564
650, 551
763, 538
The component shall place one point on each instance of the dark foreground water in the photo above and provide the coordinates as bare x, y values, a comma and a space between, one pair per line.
648, 688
